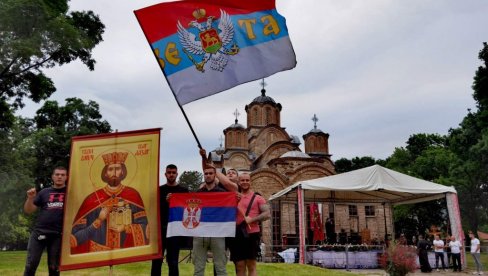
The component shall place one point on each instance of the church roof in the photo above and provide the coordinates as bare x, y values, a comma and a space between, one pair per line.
236, 125
295, 139
315, 130
215, 157
295, 153
263, 98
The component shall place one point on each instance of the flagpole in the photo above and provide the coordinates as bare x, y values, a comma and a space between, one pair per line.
187, 121
179, 105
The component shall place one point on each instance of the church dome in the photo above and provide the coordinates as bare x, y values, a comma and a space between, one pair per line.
315, 130
263, 98
295, 153
295, 140
236, 125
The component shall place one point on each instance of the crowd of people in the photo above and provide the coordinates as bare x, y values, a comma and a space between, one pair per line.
244, 248
450, 248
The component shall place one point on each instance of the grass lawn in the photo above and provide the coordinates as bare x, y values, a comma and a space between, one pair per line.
12, 263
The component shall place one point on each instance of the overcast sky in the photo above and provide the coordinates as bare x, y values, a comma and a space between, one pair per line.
373, 71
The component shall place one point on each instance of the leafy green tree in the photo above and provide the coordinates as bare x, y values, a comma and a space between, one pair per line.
470, 143
480, 84
15, 178
418, 143
345, 165
35, 35
55, 125
415, 219
191, 180
425, 156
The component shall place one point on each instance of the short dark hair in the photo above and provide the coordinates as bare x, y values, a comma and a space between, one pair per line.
60, 168
172, 166
232, 169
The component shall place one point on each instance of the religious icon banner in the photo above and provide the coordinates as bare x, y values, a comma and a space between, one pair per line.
207, 46
112, 209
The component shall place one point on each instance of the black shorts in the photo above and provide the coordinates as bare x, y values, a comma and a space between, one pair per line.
245, 248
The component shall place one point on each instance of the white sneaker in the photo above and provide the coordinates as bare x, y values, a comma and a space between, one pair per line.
437, 270
475, 273
481, 273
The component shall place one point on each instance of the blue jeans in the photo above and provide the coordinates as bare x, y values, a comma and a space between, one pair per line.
35, 247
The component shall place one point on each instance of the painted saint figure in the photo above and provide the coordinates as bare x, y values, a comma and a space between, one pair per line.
112, 217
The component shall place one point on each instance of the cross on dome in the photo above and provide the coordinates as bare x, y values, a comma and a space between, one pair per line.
236, 114
315, 119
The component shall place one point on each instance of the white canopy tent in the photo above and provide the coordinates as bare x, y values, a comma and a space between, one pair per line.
374, 184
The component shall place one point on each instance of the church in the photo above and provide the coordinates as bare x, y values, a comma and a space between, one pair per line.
275, 161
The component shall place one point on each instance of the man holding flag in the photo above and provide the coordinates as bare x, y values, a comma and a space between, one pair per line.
215, 244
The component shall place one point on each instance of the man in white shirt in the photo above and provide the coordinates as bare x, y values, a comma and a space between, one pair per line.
439, 252
455, 246
475, 252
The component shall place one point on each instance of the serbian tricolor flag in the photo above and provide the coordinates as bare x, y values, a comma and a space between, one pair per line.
207, 46
211, 214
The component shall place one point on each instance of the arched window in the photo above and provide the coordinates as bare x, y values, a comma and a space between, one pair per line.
268, 116
255, 115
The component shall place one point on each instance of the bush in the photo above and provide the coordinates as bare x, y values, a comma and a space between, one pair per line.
398, 260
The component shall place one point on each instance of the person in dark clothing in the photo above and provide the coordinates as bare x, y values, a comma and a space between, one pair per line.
49, 223
423, 247
172, 244
330, 231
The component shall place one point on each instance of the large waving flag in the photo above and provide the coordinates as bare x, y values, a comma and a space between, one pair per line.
210, 214
207, 46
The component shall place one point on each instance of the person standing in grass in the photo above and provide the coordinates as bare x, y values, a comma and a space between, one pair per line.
171, 245
455, 246
439, 252
49, 224
253, 209
475, 252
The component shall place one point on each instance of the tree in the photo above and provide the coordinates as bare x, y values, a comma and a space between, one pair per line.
55, 125
191, 180
415, 219
345, 165
470, 143
16, 177
418, 143
29, 150
480, 84
35, 35
425, 156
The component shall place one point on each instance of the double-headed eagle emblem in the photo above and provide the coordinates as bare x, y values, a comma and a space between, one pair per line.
214, 45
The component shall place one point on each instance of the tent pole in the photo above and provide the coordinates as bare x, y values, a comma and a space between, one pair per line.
455, 221
301, 223
386, 229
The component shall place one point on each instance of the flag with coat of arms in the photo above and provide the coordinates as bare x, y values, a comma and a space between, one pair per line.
207, 46
209, 214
